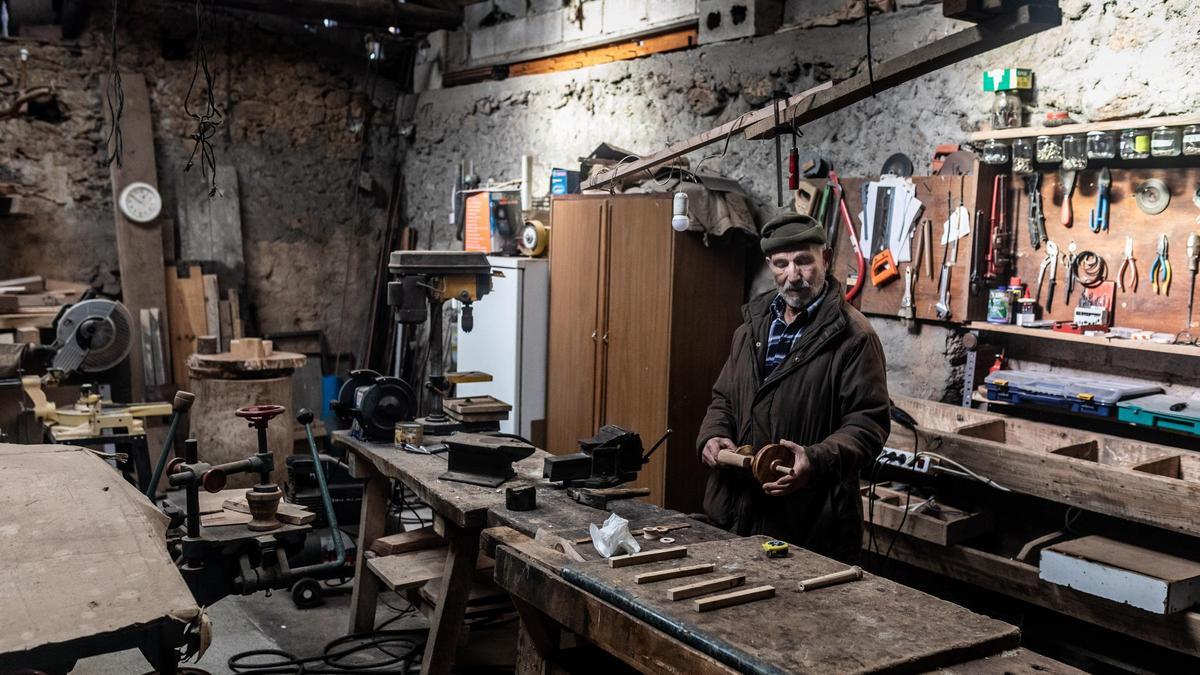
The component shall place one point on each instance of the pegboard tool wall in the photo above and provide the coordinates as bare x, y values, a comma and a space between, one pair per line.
932, 191
1163, 313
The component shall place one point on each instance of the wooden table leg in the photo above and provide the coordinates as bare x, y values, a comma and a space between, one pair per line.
456, 590
370, 527
537, 639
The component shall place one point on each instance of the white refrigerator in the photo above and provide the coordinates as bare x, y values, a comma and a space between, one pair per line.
509, 342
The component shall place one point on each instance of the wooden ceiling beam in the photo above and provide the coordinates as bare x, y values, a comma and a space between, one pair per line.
1022, 21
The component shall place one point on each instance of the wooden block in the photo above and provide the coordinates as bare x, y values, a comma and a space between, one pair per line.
735, 598
648, 556
663, 575
413, 540
1124, 573
706, 586
235, 314
287, 513
226, 322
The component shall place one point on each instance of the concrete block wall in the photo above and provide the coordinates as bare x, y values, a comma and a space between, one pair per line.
545, 29
1107, 61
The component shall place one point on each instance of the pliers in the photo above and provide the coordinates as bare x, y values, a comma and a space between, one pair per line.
1050, 261
1160, 271
1098, 219
1129, 264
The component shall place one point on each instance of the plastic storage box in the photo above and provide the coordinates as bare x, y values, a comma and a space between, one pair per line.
1163, 412
1075, 393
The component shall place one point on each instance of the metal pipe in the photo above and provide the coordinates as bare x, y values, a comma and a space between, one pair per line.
305, 417
183, 401
191, 455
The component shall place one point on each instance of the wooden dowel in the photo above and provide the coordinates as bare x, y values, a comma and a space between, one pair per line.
648, 556
707, 586
733, 459
735, 598
853, 574
663, 575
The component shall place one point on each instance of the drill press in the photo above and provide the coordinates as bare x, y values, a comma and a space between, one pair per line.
425, 280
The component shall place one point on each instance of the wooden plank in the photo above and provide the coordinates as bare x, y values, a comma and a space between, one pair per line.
139, 245
1011, 662
604, 177
212, 309
287, 513
1085, 127
413, 569
648, 556
889, 512
629, 49
413, 540
9, 303
1124, 573
185, 296
674, 573
1179, 632
235, 314
1022, 22
226, 324
210, 228
735, 598
224, 518
30, 284
707, 586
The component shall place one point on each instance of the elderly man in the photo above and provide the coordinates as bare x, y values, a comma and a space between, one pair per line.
805, 370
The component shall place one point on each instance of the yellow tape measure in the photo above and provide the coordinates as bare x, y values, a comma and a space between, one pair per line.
775, 548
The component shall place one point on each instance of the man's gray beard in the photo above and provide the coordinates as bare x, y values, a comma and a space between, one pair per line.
800, 302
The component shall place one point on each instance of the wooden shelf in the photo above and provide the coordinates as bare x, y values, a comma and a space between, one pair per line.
1110, 125
1046, 334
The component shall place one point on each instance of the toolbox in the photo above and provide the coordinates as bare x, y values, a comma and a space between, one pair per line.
1173, 413
1076, 393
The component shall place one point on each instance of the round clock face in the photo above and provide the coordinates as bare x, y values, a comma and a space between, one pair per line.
140, 202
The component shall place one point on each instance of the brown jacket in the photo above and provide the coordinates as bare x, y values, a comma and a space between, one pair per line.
830, 396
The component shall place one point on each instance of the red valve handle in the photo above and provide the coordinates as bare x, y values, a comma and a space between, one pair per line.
256, 413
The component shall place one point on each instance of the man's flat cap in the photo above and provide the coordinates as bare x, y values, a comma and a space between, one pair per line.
791, 232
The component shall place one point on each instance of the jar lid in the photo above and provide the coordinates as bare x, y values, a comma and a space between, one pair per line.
1056, 115
1045, 138
1162, 128
1098, 133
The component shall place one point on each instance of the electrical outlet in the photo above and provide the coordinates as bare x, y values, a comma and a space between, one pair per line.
905, 459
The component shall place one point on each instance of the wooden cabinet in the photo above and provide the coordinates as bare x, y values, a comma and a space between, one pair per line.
641, 319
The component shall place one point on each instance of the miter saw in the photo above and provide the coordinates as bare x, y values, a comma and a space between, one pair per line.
90, 336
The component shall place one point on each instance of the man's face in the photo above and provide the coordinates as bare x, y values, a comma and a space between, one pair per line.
799, 274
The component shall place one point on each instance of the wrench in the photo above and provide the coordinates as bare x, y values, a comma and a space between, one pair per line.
1051, 262
907, 312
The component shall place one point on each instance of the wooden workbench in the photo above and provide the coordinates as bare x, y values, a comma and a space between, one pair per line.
868, 626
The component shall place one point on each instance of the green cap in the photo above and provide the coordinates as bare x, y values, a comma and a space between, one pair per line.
791, 232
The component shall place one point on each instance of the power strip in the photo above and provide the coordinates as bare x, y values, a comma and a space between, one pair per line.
905, 459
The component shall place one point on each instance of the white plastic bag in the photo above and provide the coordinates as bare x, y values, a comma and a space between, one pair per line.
613, 536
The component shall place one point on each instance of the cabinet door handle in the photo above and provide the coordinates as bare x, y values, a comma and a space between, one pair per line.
594, 335
605, 338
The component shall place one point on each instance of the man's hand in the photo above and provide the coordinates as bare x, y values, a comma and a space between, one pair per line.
799, 477
714, 446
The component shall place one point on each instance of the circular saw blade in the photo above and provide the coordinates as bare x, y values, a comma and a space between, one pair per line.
899, 165
93, 336
1152, 196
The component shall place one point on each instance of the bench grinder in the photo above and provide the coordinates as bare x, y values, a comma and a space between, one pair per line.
425, 280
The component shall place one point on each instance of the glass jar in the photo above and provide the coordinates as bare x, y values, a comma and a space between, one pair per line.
1135, 144
1101, 145
1006, 110
1191, 140
1022, 156
1166, 142
995, 152
1074, 152
1049, 149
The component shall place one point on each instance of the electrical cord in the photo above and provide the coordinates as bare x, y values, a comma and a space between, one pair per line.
114, 97
207, 121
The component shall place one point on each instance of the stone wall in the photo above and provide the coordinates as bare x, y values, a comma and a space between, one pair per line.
1108, 60
293, 128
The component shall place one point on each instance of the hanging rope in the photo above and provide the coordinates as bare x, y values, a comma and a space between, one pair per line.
114, 96
208, 120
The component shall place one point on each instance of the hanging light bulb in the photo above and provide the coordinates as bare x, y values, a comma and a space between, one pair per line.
679, 217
